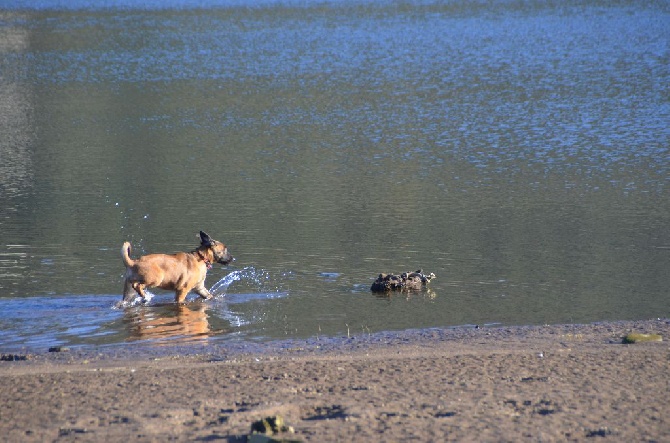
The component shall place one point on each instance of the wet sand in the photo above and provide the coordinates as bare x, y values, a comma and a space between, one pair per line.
545, 383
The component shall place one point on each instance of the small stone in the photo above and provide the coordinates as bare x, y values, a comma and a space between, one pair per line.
600, 432
14, 357
59, 349
68, 431
269, 425
262, 431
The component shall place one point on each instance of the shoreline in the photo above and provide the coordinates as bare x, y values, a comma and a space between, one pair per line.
550, 383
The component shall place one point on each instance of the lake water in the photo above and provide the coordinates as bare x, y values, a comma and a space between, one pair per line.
518, 150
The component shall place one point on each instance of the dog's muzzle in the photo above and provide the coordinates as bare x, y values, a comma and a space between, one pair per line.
224, 259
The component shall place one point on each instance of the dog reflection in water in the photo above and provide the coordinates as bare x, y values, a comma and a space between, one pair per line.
173, 321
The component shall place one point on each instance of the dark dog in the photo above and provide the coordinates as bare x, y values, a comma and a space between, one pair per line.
182, 272
405, 281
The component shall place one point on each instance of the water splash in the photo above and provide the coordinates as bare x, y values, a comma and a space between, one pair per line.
134, 302
256, 279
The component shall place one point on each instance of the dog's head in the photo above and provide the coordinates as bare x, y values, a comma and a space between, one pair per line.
218, 249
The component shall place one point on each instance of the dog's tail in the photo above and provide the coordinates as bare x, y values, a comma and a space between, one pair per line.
125, 254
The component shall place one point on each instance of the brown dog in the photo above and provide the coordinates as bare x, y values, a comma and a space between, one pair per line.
182, 272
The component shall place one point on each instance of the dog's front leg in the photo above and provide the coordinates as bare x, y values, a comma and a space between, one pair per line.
181, 294
202, 291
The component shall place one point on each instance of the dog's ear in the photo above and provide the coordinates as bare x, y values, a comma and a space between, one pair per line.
205, 239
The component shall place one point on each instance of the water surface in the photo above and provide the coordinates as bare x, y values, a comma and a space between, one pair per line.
518, 150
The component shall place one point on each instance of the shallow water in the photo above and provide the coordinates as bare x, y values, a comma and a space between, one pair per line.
518, 150
41, 322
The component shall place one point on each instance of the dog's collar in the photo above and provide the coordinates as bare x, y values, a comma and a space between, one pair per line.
207, 262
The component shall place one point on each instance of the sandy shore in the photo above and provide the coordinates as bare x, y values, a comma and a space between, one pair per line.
549, 383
